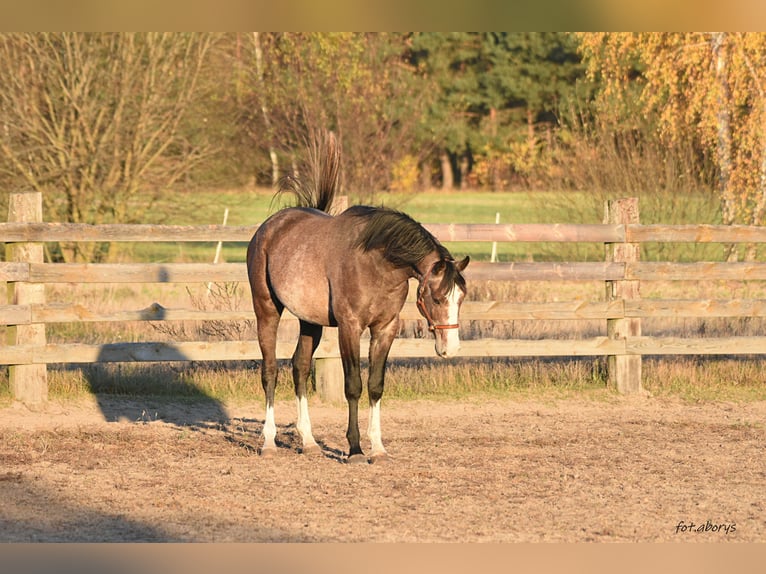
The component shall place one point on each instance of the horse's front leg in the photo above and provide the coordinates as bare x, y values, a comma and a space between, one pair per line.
348, 341
381, 338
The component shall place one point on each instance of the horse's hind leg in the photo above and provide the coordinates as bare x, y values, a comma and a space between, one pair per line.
307, 343
268, 310
268, 322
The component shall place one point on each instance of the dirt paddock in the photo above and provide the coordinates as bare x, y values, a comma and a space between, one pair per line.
478, 471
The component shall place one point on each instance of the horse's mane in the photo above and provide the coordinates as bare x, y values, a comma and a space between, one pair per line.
403, 240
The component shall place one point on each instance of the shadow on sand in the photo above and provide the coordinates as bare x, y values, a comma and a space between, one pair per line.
33, 513
149, 391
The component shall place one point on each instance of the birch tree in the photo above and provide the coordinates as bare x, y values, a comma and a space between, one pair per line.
711, 86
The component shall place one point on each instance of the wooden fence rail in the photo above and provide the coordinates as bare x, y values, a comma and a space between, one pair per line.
478, 270
27, 311
458, 232
472, 310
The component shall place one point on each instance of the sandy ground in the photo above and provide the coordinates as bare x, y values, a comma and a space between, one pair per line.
478, 471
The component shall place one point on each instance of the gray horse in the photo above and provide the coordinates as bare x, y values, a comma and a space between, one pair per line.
350, 271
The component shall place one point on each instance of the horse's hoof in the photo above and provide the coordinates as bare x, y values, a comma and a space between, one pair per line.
268, 452
311, 449
357, 459
380, 457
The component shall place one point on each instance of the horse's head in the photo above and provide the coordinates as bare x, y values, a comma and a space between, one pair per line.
440, 294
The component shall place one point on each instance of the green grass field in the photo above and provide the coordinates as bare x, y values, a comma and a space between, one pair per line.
252, 207
248, 208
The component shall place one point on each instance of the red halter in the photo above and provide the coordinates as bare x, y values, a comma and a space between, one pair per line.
421, 304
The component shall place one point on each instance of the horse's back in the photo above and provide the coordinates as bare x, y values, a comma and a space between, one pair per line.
288, 256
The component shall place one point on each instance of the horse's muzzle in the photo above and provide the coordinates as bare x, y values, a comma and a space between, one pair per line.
447, 343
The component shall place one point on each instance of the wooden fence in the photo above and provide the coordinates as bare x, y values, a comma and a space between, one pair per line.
25, 317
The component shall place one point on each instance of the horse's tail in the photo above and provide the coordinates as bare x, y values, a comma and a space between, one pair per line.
317, 189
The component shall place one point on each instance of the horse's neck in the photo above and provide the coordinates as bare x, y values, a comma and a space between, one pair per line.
425, 264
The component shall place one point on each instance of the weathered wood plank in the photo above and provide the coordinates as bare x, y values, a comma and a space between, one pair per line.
12, 232
700, 271
624, 371
597, 346
479, 232
66, 313
696, 346
527, 232
402, 348
328, 348
137, 272
523, 232
16, 315
226, 272
28, 383
471, 311
132, 352
11, 271
696, 233
578, 271
512, 311
696, 308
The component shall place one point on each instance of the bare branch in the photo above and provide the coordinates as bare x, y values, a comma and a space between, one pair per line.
89, 119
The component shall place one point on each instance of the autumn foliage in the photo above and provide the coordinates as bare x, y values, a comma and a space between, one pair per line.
97, 120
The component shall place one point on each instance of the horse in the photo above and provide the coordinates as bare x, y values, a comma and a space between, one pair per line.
349, 271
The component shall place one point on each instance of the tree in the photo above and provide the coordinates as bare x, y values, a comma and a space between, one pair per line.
446, 62
92, 119
258, 52
357, 85
707, 86
527, 79
495, 92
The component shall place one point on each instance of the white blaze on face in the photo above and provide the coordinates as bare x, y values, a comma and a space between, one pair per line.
453, 306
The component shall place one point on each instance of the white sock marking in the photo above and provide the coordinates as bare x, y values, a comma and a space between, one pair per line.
373, 430
269, 428
304, 423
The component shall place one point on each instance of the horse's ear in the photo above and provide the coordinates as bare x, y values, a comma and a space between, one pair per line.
463, 263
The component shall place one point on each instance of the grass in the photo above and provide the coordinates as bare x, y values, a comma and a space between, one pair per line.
693, 380
496, 378
252, 207
249, 208
706, 379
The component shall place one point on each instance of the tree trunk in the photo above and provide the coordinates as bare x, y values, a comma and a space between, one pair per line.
264, 107
425, 176
723, 148
531, 135
464, 165
759, 212
448, 178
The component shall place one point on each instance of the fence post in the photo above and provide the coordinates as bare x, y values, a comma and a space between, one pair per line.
29, 383
624, 371
328, 373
